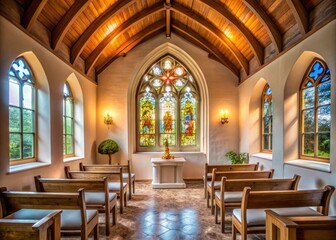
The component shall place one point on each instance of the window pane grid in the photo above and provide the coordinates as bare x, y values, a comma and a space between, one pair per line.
68, 121
266, 116
316, 112
21, 113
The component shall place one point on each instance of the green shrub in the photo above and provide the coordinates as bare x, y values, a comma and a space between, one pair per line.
108, 147
236, 158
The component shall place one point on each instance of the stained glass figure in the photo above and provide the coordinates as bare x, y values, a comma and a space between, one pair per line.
167, 104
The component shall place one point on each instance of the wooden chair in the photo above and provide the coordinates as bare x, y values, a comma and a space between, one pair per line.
47, 227
250, 218
231, 192
127, 174
214, 184
97, 195
115, 184
75, 218
299, 228
225, 168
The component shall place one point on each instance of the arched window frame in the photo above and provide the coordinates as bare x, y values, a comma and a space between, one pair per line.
68, 122
21, 74
313, 79
266, 119
178, 95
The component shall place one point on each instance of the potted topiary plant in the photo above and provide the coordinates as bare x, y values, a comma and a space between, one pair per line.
237, 158
108, 147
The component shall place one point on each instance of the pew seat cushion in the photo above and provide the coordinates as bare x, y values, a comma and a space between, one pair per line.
125, 175
70, 219
256, 217
115, 186
217, 184
231, 196
98, 198
209, 176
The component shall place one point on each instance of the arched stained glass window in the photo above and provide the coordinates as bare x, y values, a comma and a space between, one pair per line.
267, 119
68, 121
22, 113
315, 95
168, 102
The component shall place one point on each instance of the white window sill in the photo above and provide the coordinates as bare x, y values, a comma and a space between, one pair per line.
70, 159
265, 156
27, 166
314, 165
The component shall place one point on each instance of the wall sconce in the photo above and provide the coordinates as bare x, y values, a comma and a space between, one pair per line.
224, 116
108, 119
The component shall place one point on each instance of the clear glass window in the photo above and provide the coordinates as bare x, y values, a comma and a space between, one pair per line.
68, 122
267, 119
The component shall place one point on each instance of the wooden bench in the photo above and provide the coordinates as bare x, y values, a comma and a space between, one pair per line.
231, 192
75, 218
215, 183
97, 195
250, 218
115, 184
225, 168
48, 227
127, 174
299, 228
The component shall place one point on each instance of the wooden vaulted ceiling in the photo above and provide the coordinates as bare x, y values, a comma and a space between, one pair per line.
243, 35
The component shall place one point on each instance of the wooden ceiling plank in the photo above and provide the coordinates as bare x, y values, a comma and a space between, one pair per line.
65, 23
131, 43
268, 23
194, 37
132, 21
30, 15
78, 47
256, 47
193, 16
167, 5
300, 14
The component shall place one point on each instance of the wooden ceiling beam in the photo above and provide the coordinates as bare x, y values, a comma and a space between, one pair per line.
300, 14
78, 47
193, 16
268, 23
65, 23
195, 38
33, 11
132, 21
167, 5
132, 42
256, 47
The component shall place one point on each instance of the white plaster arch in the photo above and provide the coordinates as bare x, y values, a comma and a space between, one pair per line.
291, 104
189, 62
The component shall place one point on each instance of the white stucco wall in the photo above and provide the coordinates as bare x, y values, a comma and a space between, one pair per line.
113, 91
14, 42
276, 74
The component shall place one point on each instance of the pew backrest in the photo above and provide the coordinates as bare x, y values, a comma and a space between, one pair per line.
231, 167
217, 175
110, 175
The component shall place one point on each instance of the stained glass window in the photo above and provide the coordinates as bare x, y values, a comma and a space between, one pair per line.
267, 117
21, 113
68, 121
315, 116
167, 107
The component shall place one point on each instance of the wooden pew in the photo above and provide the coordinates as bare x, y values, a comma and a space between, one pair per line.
22, 229
250, 218
231, 192
115, 184
75, 218
299, 228
214, 184
225, 168
127, 174
97, 195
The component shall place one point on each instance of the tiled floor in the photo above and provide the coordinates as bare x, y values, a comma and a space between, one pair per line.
167, 214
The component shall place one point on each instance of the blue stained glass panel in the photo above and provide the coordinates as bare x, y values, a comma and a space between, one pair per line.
316, 70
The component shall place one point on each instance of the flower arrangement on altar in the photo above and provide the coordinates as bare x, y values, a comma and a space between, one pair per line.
166, 154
